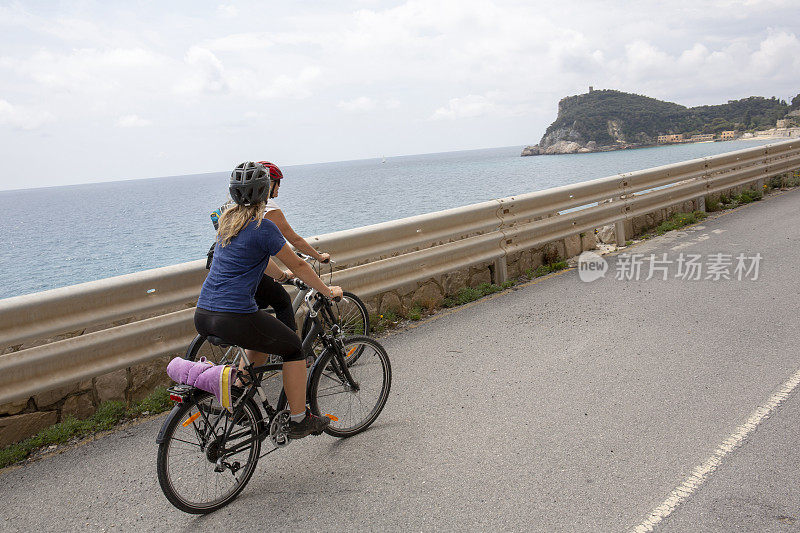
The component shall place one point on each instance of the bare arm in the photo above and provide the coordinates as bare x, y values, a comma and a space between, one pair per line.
276, 216
276, 272
304, 271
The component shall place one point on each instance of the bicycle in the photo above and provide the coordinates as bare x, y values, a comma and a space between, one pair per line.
207, 455
350, 312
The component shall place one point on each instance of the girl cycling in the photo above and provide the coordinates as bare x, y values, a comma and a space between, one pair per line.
270, 292
227, 308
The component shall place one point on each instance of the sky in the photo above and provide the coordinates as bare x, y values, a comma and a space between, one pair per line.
100, 91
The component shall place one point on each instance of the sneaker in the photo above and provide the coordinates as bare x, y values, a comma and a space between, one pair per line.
310, 425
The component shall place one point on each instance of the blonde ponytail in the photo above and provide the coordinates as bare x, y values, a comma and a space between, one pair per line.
235, 218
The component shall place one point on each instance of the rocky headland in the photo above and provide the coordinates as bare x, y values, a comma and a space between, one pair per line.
606, 120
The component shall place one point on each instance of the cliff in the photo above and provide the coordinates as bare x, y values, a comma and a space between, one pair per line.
612, 120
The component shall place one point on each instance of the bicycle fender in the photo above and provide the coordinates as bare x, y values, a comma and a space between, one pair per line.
172, 414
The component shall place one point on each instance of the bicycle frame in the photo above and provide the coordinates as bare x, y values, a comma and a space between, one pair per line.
321, 313
301, 293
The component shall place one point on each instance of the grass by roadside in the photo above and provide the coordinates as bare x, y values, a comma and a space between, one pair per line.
108, 415
677, 221
729, 202
393, 318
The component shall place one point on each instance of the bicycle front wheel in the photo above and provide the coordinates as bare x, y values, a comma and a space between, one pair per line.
200, 469
355, 405
352, 317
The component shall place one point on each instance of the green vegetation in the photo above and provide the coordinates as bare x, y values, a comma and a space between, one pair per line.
641, 119
543, 270
108, 415
679, 220
470, 294
713, 205
748, 195
380, 323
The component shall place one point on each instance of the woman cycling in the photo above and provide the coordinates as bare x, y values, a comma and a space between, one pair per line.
227, 308
270, 292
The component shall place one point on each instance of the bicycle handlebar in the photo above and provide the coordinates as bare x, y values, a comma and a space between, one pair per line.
300, 284
297, 282
308, 258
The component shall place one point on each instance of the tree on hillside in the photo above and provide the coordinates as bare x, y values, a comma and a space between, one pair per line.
606, 115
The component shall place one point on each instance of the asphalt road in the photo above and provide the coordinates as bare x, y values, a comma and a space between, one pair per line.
559, 406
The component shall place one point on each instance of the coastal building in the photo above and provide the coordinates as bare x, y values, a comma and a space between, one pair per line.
728, 135
781, 123
674, 138
702, 137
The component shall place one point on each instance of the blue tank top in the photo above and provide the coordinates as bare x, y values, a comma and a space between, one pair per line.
237, 268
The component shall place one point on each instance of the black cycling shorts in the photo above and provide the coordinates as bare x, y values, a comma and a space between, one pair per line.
257, 331
271, 293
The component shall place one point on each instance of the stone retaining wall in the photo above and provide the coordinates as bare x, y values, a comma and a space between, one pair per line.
431, 292
19, 420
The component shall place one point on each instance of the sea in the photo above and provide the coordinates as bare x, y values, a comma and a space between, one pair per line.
58, 236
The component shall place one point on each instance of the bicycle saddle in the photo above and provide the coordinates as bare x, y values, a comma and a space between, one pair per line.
216, 341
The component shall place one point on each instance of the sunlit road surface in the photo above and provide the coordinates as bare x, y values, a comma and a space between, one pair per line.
614, 405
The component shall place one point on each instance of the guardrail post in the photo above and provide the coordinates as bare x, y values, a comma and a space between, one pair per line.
619, 232
500, 270
701, 200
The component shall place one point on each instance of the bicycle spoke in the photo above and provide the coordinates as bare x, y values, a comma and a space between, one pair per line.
187, 470
355, 407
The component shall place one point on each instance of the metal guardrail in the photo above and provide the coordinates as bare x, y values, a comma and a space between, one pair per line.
371, 259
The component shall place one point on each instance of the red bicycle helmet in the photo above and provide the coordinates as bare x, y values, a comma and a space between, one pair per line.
275, 175
274, 172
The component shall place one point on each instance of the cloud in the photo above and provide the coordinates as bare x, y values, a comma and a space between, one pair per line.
365, 103
308, 66
132, 121
469, 106
285, 86
21, 117
86, 69
206, 75
778, 53
227, 11
362, 103
238, 42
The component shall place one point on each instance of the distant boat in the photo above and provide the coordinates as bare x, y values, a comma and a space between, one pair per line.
384, 160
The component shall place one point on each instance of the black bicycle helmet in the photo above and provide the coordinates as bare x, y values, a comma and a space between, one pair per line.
249, 184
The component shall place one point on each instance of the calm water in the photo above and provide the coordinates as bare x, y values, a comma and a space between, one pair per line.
65, 235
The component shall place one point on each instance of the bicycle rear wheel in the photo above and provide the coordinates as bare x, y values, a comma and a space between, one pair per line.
353, 409
352, 315
219, 355
193, 442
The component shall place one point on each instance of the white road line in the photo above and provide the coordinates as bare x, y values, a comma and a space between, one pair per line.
704, 471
